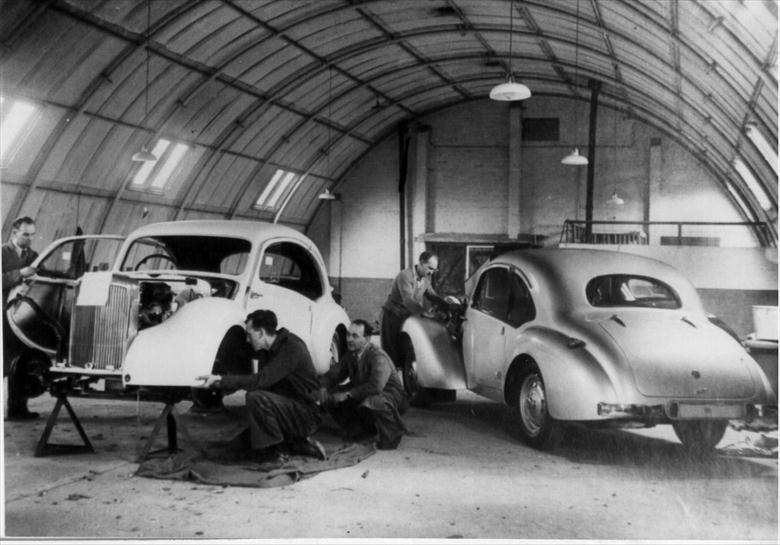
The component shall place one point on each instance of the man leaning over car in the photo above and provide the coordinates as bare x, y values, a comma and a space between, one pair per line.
281, 396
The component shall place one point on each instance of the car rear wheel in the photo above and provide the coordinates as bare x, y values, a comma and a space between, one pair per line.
700, 437
538, 428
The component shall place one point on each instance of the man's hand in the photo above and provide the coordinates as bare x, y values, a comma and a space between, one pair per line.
208, 380
339, 397
27, 272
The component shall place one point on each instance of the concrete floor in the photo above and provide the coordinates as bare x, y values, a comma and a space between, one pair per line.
462, 474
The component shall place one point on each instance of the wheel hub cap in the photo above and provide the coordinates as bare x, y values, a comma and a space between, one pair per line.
533, 405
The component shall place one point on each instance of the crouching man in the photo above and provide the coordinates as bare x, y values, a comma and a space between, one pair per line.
373, 400
280, 398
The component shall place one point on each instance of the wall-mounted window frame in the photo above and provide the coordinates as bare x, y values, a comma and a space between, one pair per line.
17, 118
540, 130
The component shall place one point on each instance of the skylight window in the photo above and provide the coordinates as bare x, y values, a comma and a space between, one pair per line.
740, 201
276, 188
768, 151
154, 175
14, 125
166, 171
753, 185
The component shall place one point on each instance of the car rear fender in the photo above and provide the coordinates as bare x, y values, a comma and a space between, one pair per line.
182, 347
575, 381
333, 318
438, 356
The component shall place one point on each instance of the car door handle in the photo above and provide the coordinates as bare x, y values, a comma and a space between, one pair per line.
255, 295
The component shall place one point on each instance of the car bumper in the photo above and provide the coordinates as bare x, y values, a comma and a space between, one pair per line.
684, 410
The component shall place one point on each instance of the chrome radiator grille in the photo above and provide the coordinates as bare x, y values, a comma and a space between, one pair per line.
98, 335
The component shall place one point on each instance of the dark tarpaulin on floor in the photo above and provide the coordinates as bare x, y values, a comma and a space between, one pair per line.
228, 464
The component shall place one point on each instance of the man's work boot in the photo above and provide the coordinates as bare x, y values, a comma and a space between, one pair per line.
308, 447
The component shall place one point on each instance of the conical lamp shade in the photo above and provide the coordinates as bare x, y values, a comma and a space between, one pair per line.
144, 155
575, 159
616, 200
326, 195
511, 90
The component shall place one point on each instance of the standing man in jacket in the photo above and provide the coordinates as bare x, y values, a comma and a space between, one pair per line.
374, 399
281, 398
17, 255
411, 288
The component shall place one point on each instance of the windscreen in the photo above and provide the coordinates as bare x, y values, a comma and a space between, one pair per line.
191, 253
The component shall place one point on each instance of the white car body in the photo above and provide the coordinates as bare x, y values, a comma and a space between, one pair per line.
233, 267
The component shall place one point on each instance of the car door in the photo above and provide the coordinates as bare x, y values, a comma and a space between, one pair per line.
39, 310
485, 329
287, 282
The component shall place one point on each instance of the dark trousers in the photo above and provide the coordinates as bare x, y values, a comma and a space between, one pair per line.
275, 419
13, 349
391, 336
378, 414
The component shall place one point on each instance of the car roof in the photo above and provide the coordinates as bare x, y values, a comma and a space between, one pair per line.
570, 269
256, 231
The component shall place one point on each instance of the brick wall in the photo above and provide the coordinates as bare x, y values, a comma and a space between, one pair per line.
462, 162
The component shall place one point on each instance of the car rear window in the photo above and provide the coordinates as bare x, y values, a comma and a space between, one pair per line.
621, 290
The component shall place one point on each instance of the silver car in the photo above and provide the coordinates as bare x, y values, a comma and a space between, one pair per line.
591, 336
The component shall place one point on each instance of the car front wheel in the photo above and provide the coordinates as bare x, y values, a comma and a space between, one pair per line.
538, 428
700, 437
418, 395
336, 350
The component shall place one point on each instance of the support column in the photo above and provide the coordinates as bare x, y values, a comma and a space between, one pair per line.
595, 87
418, 194
335, 255
654, 179
403, 164
514, 177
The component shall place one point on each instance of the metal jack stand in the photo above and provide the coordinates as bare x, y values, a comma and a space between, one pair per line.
174, 423
45, 448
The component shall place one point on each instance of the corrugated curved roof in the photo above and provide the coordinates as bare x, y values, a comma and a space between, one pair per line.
310, 86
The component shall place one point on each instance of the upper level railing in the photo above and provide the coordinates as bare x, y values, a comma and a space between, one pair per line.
671, 233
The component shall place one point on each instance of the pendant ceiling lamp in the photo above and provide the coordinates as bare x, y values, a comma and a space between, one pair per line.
510, 90
615, 199
327, 195
574, 158
145, 154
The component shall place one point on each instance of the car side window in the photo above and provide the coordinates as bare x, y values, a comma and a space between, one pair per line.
492, 294
73, 258
521, 305
291, 266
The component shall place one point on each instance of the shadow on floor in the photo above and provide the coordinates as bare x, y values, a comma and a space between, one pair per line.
615, 447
